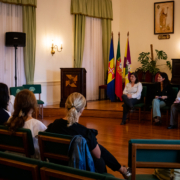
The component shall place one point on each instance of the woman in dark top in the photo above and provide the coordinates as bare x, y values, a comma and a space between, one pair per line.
162, 95
69, 125
4, 99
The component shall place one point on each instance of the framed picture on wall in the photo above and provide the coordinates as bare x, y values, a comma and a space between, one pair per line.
164, 17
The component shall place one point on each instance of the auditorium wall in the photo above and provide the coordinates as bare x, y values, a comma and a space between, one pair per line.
54, 22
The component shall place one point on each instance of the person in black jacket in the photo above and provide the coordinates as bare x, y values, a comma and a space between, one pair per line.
162, 95
69, 125
4, 100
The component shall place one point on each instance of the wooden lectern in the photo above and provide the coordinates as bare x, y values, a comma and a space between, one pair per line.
72, 80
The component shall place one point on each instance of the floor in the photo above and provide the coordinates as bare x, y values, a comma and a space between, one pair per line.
115, 137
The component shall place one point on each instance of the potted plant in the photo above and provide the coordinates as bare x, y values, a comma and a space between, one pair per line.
151, 65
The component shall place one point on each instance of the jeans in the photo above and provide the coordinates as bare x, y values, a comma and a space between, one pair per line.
128, 104
174, 114
156, 105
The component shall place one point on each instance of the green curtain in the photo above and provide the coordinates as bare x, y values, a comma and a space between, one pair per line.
93, 8
29, 27
106, 40
97, 9
79, 35
21, 2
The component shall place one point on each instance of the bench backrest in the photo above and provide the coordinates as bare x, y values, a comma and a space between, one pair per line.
54, 147
145, 153
59, 172
21, 141
17, 167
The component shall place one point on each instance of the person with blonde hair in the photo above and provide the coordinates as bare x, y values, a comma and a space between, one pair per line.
24, 106
69, 125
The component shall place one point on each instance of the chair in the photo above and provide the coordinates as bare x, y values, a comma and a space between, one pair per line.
17, 167
102, 87
167, 107
145, 153
36, 89
141, 104
54, 171
15, 90
20, 141
54, 147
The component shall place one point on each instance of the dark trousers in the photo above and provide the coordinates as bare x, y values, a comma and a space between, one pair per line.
106, 159
128, 104
174, 113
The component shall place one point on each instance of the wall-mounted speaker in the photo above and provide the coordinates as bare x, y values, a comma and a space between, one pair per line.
15, 39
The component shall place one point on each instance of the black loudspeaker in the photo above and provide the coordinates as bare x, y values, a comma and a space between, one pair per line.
15, 39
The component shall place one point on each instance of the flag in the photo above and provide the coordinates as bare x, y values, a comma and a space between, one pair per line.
127, 63
111, 77
118, 79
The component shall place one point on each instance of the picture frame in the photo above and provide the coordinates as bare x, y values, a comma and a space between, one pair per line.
164, 17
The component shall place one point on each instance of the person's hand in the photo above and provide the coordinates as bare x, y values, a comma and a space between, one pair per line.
156, 97
164, 97
129, 96
177, 101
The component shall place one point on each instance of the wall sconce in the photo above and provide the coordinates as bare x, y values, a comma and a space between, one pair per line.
55, 47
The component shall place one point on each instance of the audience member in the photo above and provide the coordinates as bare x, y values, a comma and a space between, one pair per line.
162, 95
131, 95
175, 107
4, 100
69, 125
24, 105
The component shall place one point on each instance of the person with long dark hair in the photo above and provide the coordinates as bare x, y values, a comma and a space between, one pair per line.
162, 96
24, 106
4, 100
131, 95
69, 125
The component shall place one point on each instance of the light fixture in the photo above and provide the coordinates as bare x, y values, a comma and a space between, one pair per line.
55, 47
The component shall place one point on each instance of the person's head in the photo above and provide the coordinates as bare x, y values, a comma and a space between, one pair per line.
163, 78
24, 105
4, 96
133, 78
75, 104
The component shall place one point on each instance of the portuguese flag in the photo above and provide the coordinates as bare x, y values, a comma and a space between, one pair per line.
118, 79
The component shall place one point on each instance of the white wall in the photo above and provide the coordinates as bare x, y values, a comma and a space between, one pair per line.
137, 17
54, 21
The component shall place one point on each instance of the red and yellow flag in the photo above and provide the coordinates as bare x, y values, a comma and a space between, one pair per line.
118, 79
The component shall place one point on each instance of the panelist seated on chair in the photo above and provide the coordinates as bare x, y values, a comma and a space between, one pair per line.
6, 103
131, 95
163, 91
175, 108
24, 105
69, 125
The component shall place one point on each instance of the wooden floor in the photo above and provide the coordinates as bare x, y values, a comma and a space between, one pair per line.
115, 137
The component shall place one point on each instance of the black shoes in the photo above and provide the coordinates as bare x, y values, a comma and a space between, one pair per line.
123, 122
172, 127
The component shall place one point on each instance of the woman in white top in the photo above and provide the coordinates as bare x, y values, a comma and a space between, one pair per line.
131, 95
25, 104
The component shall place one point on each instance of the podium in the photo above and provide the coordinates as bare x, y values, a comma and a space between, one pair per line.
72, 80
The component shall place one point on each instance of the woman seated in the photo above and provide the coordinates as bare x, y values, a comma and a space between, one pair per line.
162, 95
131, 95
25, 104
4, 100
69, 125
